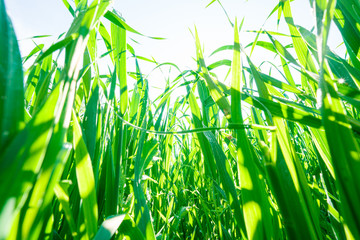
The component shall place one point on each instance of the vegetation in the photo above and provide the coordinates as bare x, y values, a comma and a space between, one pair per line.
265, 156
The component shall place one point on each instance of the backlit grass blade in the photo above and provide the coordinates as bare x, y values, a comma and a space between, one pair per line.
35, 50
220, 159
281, 160
302, 51
254, 201
284, 198
277, 83
35, 214
292, 172
119, 43
128, 228
44, 82
22, 159
85, 180
284, 111
61, 192
142, 215
297, 191
31, 82
215, 92
117, 20
261, 29
346, 18
58, 45
206, 102
343, 147
210, 167
300, 47
85, 21
320, 142
109, 227
68, 6
338, 66
227, 182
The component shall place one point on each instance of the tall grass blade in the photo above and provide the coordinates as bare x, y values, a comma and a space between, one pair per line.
85, 180
254, 201
11, 82
345, 158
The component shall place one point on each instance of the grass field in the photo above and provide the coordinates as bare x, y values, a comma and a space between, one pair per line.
262, 154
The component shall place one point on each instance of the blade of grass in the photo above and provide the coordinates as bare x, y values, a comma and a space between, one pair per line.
85, 180
11, 81
343, 147
254, 201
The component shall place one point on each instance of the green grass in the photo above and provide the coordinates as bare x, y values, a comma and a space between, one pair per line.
267, 154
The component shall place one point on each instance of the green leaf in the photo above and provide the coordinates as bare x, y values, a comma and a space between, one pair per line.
118, 42
11, 81
215, 92
255, 201
114, 18
227, 182
85, 180
56, 46
109, 227
61, 192
22, 159
344, 148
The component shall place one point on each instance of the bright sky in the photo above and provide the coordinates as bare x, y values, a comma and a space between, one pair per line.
169, 19
172, 20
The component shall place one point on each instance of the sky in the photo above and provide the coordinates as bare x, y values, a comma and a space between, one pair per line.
164, 18
170, 19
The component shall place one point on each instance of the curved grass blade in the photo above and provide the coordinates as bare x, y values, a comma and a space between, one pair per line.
343, 146
255, 201
300, 46
292, 171
215, 92
346, 18
109, 227
117, 20
57, 46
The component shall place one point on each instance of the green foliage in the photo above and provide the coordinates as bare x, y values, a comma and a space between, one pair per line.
85, 155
